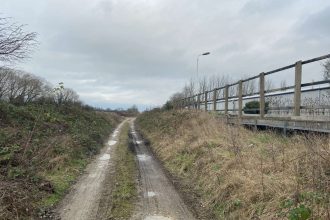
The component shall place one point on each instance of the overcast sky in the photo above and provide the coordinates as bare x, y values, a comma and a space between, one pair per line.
116, 53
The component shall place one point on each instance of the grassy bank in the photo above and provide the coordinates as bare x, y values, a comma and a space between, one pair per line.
229, 172
43, 148
124, 191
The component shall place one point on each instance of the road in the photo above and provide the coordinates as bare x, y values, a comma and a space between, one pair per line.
159, 200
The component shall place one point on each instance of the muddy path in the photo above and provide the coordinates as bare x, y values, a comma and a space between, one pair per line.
159, 199
84, 198
89, 198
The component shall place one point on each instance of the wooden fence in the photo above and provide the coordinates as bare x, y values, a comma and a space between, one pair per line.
226, 102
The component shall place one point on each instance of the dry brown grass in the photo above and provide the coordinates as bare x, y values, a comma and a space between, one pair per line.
241, 174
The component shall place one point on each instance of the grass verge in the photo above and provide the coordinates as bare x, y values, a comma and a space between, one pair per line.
124, 193
43, 148
230, 172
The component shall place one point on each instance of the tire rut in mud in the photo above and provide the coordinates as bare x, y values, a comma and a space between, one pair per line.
159, 199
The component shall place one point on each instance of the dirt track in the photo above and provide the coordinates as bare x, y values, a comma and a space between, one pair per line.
158, 198
83, 200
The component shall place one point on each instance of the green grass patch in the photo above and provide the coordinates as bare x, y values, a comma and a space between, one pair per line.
124, 192
43, 148
61, 180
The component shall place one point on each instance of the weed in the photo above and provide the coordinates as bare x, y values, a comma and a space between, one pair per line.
240, 174
124, 191
45, 143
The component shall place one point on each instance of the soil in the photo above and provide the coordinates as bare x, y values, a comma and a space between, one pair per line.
83, 201
159, 200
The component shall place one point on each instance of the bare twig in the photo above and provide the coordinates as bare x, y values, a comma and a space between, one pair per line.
15, 43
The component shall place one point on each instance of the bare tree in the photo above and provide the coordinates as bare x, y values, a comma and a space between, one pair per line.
177, 97
191, 87
4, 75
187, 92
326, 72
212, 82
65, 95
216, 81
70, 96
202, 84
249, 87
47, 93
283, 84
32, 88
269, 84
13, 86
19, 87
221, 81
15, 43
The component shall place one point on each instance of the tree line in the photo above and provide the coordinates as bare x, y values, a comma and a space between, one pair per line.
199, 86
19, 87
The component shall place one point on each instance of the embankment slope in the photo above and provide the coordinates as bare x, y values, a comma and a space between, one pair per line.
229, 172
43, 148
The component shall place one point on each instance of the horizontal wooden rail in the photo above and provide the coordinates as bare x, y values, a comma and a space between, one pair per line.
280, 69
251, 78
316, 59
210, 99
315, 83
279, 89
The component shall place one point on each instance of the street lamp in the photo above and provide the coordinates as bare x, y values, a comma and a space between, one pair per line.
202, 54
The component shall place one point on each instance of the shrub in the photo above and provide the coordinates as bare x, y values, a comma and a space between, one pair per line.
253, 107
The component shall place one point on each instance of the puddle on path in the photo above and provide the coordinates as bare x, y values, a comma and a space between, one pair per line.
105, 157
151, 194
143, 157
112, 142
103, 160
115, 134
156, 217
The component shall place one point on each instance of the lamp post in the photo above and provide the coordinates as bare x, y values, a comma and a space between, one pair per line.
202, 54
198, 102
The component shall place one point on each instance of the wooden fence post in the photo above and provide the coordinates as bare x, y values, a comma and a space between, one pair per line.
198, 101
226, 99
195, 102
215, 100
191, 106
205, 99
262, 94
240, 98
297, 88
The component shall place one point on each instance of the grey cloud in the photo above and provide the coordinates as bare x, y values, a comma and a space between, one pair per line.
268, 8
123, 52
317, 25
